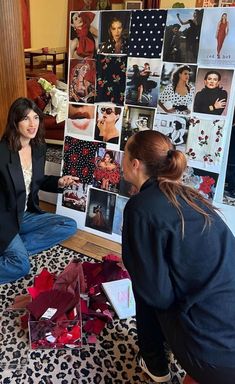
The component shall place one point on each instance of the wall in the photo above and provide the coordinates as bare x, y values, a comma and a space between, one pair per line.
48, 20
12, 75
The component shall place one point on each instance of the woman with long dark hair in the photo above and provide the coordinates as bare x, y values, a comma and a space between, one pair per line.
24, 228
177, 97
181, 258
117, 41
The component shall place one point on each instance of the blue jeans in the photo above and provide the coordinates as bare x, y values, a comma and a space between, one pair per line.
38, 232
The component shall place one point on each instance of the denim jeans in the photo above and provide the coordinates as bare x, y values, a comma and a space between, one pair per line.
38, 232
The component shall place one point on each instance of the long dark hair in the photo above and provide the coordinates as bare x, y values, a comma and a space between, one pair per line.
176, 77
166, 164
111, 155
114, 20
17, 112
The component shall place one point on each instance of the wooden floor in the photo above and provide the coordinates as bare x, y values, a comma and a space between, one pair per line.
87, 243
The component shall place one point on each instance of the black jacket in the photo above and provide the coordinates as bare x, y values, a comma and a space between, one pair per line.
12, 189
194, 274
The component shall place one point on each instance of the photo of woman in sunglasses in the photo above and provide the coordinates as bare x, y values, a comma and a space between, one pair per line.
108, 123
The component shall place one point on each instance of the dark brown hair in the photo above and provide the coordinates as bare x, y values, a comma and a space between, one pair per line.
17, 112
166, 164
176, 77
212, 73
111, 155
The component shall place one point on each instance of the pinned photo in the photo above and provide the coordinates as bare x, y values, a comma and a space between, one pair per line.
82, 80
177, 89
212, 91
83, 34
108, 123
111, 79
114, 32
100, 211
202, 180
135, 119
81, 120
107, 171
182, 35
175, 127
75, 197
206, 141
217, 41
146, 33
142, 84
79, 159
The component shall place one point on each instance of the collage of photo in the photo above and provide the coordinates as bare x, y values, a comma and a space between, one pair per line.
169, 70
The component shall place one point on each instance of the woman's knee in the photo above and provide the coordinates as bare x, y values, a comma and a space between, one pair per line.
25, 267
71, 225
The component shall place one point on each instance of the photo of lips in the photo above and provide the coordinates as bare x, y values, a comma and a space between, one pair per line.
81, 119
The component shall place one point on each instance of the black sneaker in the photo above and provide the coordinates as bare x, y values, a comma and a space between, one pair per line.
162, 377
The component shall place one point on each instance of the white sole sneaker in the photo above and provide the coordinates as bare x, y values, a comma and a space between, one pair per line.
157, 379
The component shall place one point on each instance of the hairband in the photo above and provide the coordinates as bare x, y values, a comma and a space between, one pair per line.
170, 153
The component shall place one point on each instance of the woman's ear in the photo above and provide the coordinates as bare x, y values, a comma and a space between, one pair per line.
136, 164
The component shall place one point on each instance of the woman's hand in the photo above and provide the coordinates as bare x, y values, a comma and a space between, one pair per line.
219, 104
101, 124
66, 181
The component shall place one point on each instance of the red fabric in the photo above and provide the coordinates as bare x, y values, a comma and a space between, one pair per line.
189, 380
86, 46
40, 102
97, 273
112, 257
34, 89
43, 282
94, 326
71, 279
221, 35
62, 301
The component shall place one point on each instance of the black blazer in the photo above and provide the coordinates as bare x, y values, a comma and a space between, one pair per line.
12, 189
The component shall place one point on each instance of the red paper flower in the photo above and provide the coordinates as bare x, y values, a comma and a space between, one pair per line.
43, 282
206, 185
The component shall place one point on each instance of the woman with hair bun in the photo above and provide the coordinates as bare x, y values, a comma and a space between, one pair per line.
181, 258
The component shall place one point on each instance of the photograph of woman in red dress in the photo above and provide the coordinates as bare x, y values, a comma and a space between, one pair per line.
221, 33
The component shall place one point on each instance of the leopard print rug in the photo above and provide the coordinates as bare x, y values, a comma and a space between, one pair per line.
112, 360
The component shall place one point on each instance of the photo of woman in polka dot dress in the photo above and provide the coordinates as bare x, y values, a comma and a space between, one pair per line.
177, 89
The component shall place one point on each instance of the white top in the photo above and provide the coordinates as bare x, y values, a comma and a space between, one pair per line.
27, 173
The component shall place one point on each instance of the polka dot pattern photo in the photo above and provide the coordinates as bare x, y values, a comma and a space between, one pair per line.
79, 158
146, 33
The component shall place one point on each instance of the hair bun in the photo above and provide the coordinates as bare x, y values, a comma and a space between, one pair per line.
170, 153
